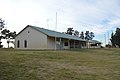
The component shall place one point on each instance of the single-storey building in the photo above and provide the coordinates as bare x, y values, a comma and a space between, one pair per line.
93, 44
32, 37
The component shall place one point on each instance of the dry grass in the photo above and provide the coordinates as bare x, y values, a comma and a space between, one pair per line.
79, 64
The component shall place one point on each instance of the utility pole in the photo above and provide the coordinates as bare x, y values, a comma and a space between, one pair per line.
55, 30
105, 38
48, 23
108, 37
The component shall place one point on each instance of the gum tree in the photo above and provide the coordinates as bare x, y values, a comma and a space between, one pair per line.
2, 25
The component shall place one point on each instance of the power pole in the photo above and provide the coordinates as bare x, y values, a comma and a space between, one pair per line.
55, 30
48, 23
108, 37
105, 38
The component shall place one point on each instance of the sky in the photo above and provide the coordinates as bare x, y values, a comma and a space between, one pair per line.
99, 16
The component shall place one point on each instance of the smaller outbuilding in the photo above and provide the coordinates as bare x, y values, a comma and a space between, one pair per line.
94, 44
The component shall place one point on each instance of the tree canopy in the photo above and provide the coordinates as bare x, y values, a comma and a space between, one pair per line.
70, 31
87, 35
115, 38
76, 33
2, 25
5, 33
82, 35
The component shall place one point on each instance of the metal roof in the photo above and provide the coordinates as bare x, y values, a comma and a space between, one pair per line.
55, 33
95, 41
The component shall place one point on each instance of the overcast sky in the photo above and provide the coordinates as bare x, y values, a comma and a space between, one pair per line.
98, 16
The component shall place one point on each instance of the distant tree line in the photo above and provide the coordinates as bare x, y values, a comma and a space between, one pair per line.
86, 36
115, 38
6, 34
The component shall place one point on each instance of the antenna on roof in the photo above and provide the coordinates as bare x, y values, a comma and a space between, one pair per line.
48, 23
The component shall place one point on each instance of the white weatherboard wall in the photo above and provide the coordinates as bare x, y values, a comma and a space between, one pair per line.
66, 47
51, 43
34, 38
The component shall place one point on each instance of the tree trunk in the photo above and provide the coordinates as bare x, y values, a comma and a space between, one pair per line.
8, 43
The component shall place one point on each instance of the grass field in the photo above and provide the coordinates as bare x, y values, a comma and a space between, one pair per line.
82, 64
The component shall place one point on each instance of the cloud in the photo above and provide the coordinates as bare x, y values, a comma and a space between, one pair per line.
79, 14
98, 16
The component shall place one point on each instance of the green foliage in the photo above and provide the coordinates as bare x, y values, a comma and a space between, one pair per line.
5, 34
78, 64
76, 33
70, 31
112, 40
89, 35
82, 35
108, 46
115, 38
2, 25
8, 35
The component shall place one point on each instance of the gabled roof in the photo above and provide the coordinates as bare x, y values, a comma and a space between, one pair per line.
57, 34
53, 33
95, 41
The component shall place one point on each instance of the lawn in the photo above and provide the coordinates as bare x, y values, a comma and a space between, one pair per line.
79, 64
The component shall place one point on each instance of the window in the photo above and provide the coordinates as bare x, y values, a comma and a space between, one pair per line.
18, 44
57, 39
25, 43
66, 44
28, 31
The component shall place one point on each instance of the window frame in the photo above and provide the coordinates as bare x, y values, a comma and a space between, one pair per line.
65, 43
18, 43
25, 43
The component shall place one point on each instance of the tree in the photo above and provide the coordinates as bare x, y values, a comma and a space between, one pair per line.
8, 35
89, 35
2, 25
82, 35
76, 33
115, 38
112, 39
4, 33
1, 42
70, 31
